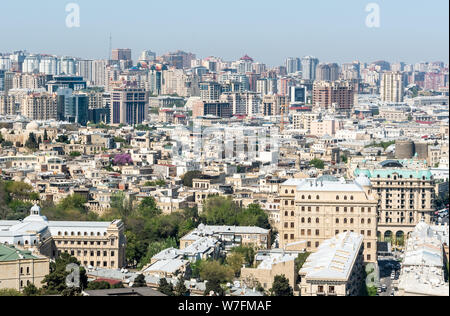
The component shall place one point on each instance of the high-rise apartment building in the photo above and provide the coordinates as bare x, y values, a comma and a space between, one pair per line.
121, 54
327, 93
40, 107
309, 65
293, 65
129, 105
210, 91
74, 107
392, 87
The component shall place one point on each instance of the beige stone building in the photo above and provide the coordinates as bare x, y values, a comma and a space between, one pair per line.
405, 197
96, 244
336, 269
19, 268
315, 210
274, 263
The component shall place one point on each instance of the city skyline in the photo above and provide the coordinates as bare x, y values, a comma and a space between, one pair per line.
235, 33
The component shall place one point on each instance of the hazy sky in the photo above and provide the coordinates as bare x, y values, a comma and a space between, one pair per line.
267, 30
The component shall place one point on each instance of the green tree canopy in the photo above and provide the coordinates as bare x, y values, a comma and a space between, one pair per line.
317, 163
189, 176
165, 287
281, 287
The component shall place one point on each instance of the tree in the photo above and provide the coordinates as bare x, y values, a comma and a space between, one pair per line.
10, 292
98, 285
165, 288
189, 176
55, 281
122, 160
214, 286
139, 281
31, 290
214, 271
301, 259
235, 261
224, 211
32, 143
248, 254
180, 289
74, 154
281, 287
317, 163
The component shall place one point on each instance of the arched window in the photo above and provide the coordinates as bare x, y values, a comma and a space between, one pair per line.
362, 221
303, 197
292, 192
303, 220
309, 197
317, 197
309, 220
337, 197
351, 221
337, 220
345, 197
59, 233
345, 221
369, 221
292, 213
317, 220
352, 198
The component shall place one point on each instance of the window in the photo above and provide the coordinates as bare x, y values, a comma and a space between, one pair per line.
337, 220
337, 197
317, 220
317, 232
309, 220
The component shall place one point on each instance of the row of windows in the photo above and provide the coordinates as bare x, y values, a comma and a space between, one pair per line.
338, 209
92, 243
91, 253
318, 197
79, 234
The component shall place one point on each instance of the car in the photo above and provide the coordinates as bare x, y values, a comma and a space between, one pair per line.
384, 288
379, 290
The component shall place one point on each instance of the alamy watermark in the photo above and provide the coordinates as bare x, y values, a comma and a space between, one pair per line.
373, 19
73, 15
73, 279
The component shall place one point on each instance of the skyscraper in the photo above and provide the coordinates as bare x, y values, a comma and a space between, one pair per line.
121, 54
129, 104
392, 87
309, 65
293, 65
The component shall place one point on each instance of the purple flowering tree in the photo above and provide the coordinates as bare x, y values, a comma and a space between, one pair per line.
122, 160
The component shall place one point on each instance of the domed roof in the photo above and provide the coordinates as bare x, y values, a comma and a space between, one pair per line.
363, 180
33, 126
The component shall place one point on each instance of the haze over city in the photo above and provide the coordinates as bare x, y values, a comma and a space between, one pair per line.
269, 31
